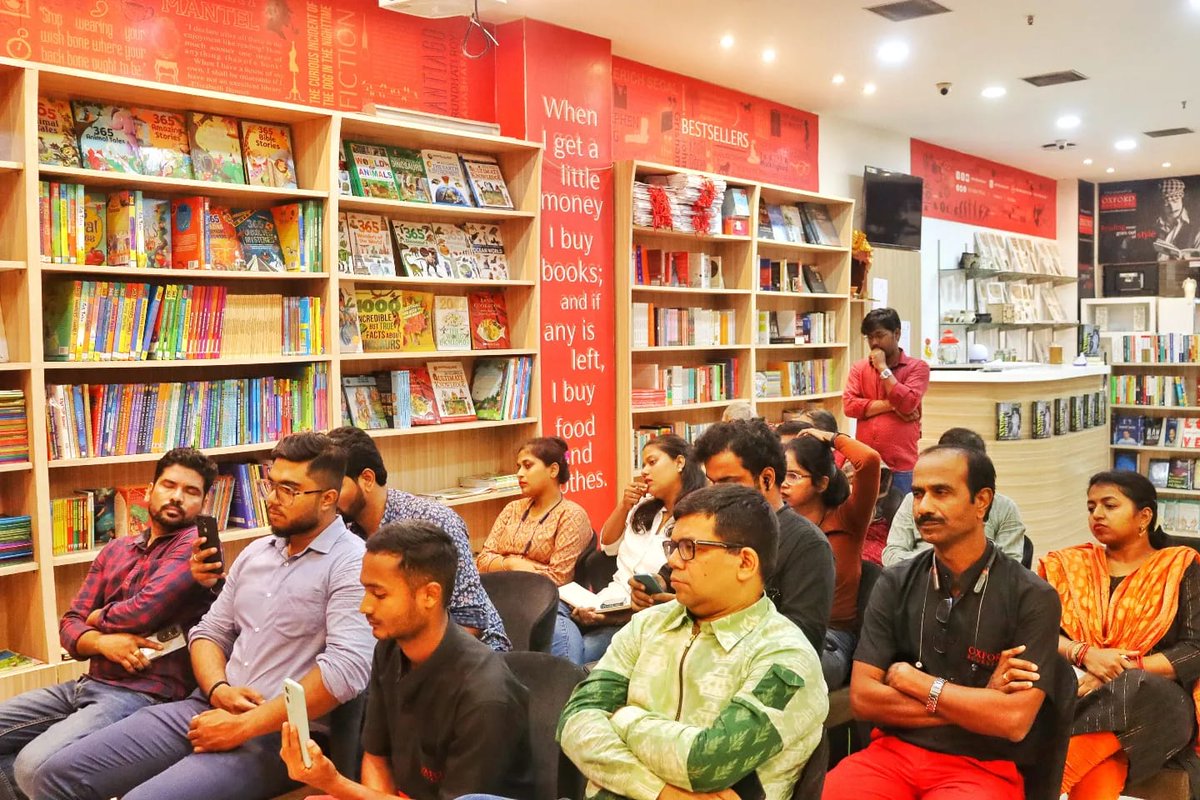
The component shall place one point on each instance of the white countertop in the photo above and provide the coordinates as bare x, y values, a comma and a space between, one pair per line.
1017, 373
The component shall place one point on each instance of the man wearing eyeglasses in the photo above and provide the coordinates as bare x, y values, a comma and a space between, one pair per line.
713, 693
289, 609
931, 640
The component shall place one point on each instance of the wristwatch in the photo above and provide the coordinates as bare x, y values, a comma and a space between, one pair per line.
885, 373
935, 692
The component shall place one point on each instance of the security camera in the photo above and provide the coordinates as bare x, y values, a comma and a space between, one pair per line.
944, 88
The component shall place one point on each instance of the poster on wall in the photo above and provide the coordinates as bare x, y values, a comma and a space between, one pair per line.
339, 54
1087, 239
1150, 220
960, 187
667, 118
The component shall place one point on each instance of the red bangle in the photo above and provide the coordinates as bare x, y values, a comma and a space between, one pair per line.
1082, 654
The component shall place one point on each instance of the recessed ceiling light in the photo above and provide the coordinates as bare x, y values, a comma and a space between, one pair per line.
869, 88
727, 41
1166, 165
839, 79
993, 92
1196, 4
769, 55
1067, 122
1087, 162
1110, 170
1125, 144
893, 52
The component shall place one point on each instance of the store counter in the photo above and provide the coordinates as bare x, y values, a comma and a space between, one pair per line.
1046, 478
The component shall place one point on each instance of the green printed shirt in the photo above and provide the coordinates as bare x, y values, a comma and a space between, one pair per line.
698, 709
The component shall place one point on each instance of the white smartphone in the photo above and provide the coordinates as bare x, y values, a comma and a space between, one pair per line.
297, 711
171, 639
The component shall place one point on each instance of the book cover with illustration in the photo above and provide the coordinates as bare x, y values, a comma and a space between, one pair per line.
450, 391
370, 245
371, 171
364, 402
422, 404
259, 240
287, 228
107, 137
119, 223
57, 145
419, 255
131, 510
487, 181
451, 323
1179, 475
216, 148
452, 242
489, 321
394, 320
1043, 419
409, 172
447, 182
1159, 469
489, 386
488, 247
224, 248
267, 151
1008, 421
95, 229
189, 217
344, 253
163, 143
156, 225
1152, 431
1127, 430
349, 333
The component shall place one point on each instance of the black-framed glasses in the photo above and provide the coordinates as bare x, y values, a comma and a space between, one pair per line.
687, 547
286, 494
941, 640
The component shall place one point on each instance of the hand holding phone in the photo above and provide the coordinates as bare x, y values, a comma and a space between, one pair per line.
297, 712
206, 529
650, 583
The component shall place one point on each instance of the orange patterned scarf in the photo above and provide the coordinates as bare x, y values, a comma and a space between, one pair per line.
1137, 615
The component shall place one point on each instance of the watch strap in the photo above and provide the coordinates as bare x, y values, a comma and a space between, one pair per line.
885, 373
935, 692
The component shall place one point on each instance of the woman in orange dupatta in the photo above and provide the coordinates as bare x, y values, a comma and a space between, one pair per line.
1131, 625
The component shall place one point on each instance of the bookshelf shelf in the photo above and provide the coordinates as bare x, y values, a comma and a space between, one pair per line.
14, 366
78, 557
642, 230
640, 289
430, 212
1190, 493
684, 407
452, 427
151, 183
1009, 275
486, 497
237, 449
433, 355
800, 247
11, 166
16, 466
11, 266
829, 346
689, 348
434, 282
766, 295
188, 363
1163, 365
178, 275
1141, 448
799, 398
1156, 409
243, 534
227, 535
18, 568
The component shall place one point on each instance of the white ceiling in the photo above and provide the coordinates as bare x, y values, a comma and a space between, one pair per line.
1142, 59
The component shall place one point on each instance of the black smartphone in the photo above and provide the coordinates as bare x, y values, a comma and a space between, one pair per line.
207, 528
649, 583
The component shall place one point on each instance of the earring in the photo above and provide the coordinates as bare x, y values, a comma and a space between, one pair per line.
679, 469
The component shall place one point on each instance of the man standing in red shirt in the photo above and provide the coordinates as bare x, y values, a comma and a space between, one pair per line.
883, 392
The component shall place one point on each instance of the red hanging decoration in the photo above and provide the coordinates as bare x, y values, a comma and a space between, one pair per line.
660, 207
702, 208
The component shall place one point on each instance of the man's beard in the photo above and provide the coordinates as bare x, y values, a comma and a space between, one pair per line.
295, 527
171, 525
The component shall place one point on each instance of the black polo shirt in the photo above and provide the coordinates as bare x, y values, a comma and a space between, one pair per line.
457, 724
802, 586
1013, 607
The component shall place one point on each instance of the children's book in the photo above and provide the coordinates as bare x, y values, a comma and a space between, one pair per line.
163, 143
95, 228
120, 226
260, 242
370, 245
487, 182
156, 226
451, 323
350, 335
418, 253
489, 386
371, 171
267, 150
287, 228
344, 253
57, 145
447, 182
409, 172
189, 219
450, 391
422, 404
452, 243
489, 321
216, 148
107, 137
224, 248
364, 402
488, 248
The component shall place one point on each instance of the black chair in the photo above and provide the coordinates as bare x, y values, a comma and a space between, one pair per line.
812, 778
594, 569
1027, 553
550, 682
527, 603
866, 584
1043, 778
839, 699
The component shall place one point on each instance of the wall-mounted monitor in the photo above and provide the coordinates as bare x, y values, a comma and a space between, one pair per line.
892, 208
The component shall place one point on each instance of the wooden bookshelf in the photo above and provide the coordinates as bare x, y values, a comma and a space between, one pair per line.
740, 258
424, 459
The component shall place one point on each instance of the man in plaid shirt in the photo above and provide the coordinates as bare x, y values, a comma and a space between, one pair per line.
137, 585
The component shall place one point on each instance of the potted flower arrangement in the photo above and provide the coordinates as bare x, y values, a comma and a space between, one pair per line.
861, 255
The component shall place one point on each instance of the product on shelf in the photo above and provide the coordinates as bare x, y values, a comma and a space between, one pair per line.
370, 245
450, 391
162, 141
451, 323
487, 182
395, 320
14, 427
267, 151
1008, 421
371, 171
57, 145
409, 173
16, 539
216, 148
681, 386
107, 137
447, 180
489, 320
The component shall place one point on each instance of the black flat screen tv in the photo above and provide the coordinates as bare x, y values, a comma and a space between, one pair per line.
892, 208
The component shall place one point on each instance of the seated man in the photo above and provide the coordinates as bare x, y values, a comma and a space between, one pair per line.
445, 716
933, 634
712, 690
137, 585
1002, 526
368, 504
288, 610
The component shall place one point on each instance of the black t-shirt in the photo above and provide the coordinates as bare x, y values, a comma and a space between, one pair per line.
1013, 607
802, 586
457, 724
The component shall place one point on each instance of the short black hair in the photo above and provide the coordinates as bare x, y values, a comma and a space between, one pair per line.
793, 426
965, 438
981, 472
550, 450
326, 460
885, 318
426, 552
821, 419
361, 453
740, 514
751, 440
189, 458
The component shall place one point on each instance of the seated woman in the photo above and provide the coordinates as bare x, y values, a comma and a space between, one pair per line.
1131, 624
634, 533
543, 531
885, 508
816, 489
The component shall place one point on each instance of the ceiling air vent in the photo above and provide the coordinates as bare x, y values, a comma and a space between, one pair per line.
908, 9
1055, 78
1168, 132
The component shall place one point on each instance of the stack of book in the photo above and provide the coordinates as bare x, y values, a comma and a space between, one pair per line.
1179, 517
1163, 348
369, 244
248, 504
14, 427
790, 327
399, 320
1173, 473
683, 386
683, 191
422, 176
16, 539
678, 327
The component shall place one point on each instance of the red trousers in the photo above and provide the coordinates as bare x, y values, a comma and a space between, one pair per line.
890, 769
